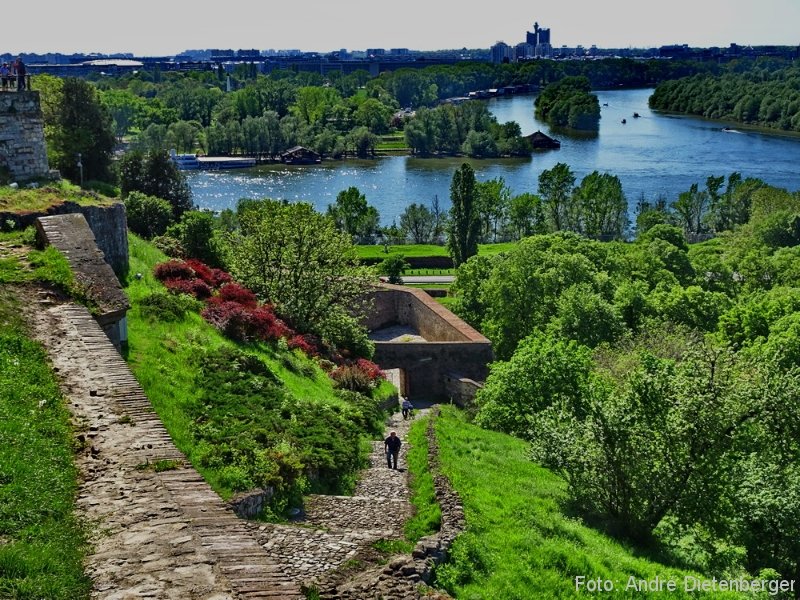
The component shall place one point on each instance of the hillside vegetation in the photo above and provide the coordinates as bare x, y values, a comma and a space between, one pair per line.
520, 542
246, 414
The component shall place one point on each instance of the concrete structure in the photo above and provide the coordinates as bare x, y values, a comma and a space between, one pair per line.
428, 343
22, 149
70, 234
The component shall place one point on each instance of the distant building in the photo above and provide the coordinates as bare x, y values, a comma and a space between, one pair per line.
502, 53
539, 38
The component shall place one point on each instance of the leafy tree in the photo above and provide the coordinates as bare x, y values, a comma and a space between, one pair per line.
585, 316
155, 174
394, 266
196, 232
569, 103
494, 197
555, 189
147, 216
82, 126
542, 371
464, 227
296, 259
692, 207
603, 207
418, 222
525, 215
353, 215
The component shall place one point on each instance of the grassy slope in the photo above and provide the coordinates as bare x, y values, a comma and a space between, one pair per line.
25, 200
42, 544
160, 353
518, 543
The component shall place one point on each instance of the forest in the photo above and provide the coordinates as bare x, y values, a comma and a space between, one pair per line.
761, 96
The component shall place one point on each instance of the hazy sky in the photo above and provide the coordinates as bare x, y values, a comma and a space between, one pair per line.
154, 27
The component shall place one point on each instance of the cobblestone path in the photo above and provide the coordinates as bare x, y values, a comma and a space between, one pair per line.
338, 526
157, 534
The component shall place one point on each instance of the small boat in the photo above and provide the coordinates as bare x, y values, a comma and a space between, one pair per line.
635, 115
624, 121
605, 103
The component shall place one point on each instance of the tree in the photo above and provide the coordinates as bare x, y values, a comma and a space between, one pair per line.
147, 216
296, 259
418, 222
691, 207
354, 216
82, 126
603, 208
155, 174
394, 266
464, 227
525, 216
494, 197
555, 189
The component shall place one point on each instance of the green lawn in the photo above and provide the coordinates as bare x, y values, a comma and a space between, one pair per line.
42, 544
519, 544
423, 250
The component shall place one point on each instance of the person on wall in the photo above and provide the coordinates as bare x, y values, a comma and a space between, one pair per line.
392, 447
19, 69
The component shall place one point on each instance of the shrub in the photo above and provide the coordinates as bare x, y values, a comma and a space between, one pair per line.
194, 287
169, 246
147, 216
244, 324
173, 269
370, 369
351, 377
308, 344
202, 271
233, 292
167, 307
221, 277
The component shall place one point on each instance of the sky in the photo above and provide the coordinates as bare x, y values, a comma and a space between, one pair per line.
166, 27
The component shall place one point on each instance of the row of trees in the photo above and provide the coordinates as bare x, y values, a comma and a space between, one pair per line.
642, 372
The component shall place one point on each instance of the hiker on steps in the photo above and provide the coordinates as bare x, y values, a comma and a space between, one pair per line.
392, 446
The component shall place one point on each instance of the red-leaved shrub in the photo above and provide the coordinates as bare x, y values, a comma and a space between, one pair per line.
202, 270
350, 377
173, 269
194, 287
233, 292
220, 277
307, 343
370, 369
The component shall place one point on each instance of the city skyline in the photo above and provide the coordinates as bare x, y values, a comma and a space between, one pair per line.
168, 28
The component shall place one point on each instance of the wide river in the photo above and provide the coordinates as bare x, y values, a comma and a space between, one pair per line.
654, 155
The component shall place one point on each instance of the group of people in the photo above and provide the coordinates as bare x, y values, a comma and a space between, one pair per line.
9, 73
392, 444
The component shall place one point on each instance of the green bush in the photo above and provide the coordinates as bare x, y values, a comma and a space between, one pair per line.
168, 307
148, 216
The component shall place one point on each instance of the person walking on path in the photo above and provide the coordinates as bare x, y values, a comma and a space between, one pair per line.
392, 446
407, 408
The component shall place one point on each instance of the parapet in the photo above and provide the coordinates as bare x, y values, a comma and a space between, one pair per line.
70, 234
22, 147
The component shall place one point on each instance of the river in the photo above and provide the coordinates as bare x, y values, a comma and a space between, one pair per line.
653, 155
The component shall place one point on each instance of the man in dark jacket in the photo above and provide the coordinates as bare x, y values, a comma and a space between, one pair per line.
392, 446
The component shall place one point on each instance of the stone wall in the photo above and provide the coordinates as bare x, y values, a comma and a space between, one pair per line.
426, 363
106, 220
22, 148
461, 390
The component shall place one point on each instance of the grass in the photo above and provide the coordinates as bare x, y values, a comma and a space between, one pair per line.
392, 143
39, 199
427, 514
519, 544
42, 544
425, 250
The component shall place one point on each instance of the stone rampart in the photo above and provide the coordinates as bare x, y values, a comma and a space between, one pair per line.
106, 220
461, 390
22, 148
451, 345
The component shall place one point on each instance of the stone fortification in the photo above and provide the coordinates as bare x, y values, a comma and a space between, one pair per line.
22, 149
106, 220
448, 349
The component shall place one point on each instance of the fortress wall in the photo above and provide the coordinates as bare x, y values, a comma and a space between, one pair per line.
22, 148
425, 364
108, 224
